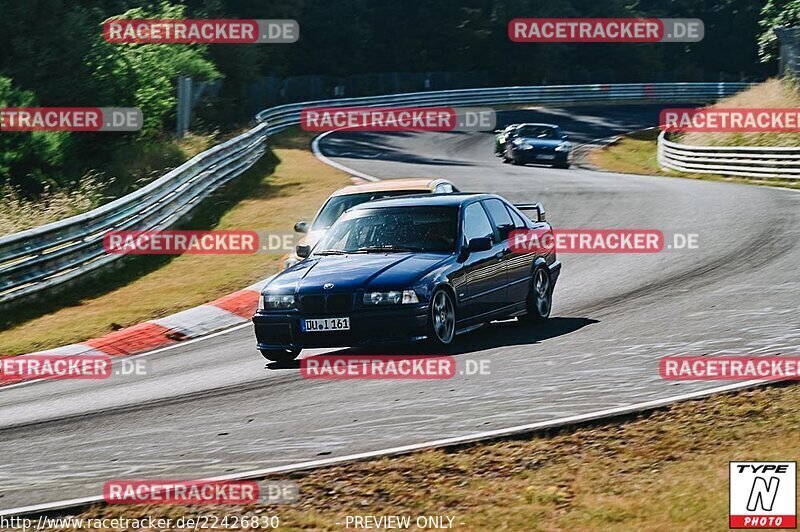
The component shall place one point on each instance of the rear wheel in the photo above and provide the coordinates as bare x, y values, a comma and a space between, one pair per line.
442, 318
540, 296
280, 355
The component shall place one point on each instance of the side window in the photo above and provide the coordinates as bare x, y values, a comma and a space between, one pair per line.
519, 223
476, 223
500, 217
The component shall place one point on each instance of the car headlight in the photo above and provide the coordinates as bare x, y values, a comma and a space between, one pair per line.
392, 297
276, 301
564, 146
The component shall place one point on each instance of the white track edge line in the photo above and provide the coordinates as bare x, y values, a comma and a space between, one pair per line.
325, 159
405, 449
115, 358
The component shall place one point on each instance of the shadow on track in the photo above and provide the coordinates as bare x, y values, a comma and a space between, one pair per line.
498, 334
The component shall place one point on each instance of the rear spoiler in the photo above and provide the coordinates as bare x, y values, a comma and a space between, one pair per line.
538, 207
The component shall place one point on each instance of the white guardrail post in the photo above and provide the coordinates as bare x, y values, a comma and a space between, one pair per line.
744, 161
43, 257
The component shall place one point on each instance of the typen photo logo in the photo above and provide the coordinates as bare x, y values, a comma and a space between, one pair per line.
763, 495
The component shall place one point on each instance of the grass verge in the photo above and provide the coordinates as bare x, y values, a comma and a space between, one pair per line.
664, 471
287, 184
773, 93
131, 165
636, 153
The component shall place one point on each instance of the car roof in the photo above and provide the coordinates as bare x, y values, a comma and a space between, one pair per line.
412, 183
425, 200
537, 124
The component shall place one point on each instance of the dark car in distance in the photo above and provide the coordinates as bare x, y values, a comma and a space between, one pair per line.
500, 136
408, 269
537, 143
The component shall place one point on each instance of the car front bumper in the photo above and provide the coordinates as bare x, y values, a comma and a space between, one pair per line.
402, 324
535, 156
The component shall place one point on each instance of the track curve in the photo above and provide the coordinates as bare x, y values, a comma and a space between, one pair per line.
208, 408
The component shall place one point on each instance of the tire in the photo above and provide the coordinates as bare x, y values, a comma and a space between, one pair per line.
441, 318
540, 296
280, 355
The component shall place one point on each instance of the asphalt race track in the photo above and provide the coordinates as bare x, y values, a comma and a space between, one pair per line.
210, 408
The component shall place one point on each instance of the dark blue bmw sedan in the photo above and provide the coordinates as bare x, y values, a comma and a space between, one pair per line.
537, 143
408, 269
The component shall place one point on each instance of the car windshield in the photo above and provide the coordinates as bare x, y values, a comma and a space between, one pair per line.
336, 205
429, 229
538, 132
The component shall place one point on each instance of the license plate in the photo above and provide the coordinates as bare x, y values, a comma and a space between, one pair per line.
545, 156
325, 324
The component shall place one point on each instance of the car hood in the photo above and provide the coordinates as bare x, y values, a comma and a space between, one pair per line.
348, 273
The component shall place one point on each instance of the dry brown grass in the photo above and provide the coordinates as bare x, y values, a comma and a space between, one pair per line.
637, 154
667, 471
18, 213
774, 93
140, 162
266, 200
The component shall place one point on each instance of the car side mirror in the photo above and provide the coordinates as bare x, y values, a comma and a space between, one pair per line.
301, 227
483, 243
302, 250
505, 230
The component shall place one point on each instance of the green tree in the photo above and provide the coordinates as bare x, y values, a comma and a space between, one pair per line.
776, 13
29, 161
144, 75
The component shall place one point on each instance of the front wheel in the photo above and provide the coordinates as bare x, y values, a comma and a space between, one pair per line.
442, 318
540, 296
515, 159
280, 355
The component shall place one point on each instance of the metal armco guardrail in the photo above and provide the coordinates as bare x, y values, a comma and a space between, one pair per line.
744, 161
38, 259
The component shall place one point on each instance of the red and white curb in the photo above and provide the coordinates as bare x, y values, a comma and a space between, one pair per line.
220, 314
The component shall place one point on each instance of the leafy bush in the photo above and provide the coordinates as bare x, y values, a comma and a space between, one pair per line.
144, 75
28, 160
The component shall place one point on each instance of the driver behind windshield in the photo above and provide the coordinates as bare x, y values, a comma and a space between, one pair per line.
415, 229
